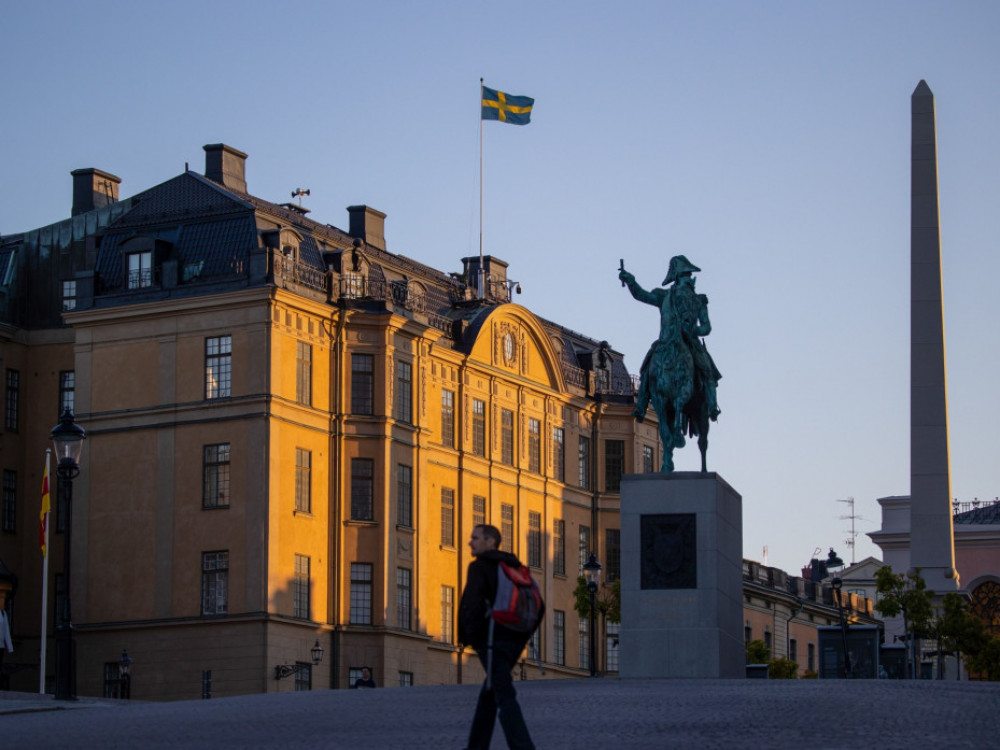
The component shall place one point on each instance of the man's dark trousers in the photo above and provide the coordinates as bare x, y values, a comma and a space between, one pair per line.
502, 697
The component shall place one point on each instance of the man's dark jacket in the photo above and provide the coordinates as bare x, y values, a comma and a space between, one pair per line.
477, 599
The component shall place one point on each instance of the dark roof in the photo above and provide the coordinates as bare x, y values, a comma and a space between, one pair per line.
985, 514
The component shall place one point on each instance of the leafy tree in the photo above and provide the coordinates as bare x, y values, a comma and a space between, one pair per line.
907, 596
783, 669
957, 629
607, 602
757, 652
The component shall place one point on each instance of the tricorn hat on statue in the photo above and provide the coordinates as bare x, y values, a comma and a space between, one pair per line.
679, 265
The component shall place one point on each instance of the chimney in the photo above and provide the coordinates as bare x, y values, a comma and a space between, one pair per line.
93, 188
367, 224
227, 166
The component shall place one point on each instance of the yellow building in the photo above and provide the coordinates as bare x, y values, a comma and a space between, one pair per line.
290, 433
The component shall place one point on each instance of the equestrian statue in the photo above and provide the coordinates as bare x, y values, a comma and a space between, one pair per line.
678, 375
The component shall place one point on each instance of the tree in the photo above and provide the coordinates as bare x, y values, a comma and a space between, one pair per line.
907, 596
607, 602
757, 652
957, 629
783, 669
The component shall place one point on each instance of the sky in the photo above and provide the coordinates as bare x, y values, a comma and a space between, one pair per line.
766, 141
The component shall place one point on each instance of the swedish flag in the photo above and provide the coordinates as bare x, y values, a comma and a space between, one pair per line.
506, 108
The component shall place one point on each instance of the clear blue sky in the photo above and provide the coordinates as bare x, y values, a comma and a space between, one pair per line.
767, 141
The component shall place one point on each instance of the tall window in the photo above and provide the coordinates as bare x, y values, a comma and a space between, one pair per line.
647, 459
611, 648
301, 587
404, 392
559, 547
811, 657
215, 476
507, 527
583, 463
534, 539
67, 390
507, 436
448, 419
614, 464
361, 593
584, 545
68, 296
9, 512
403, 591
558, 454
215, 582
362, 485
447, 614
584, 642
303, 373
13, 400
404, 495
535, 645
478, 427
447, 517
405, 679
793, 650
613, 551
559, 636
218, 366
362, 384
303, 480
140, 270
534, 445
303, 677
478, 510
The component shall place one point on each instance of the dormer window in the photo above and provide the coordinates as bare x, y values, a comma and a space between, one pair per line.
140, 269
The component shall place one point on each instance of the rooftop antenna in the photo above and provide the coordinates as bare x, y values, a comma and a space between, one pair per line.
853, 517
298, 193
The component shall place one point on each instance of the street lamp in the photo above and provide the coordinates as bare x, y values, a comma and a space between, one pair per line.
837, 584
287, 670
592, 571
67, 437
125, 675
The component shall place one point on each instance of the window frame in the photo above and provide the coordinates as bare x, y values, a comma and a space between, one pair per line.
534, 445
216, 475
303, 373
362, 489
583, 463
218, 367
403, 407
404, 495
362, 384
215, 583
12, 403
478, 427
447, 418
447, 517
534, 539
614, 464
404, 598
303, 480
361, 603
559, 454
302, 588
507, 437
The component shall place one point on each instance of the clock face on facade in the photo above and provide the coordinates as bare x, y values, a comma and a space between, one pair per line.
508, 348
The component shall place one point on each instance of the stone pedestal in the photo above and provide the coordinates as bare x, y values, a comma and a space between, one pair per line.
682, 576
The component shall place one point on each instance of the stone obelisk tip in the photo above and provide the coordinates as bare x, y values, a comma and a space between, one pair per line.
922, 89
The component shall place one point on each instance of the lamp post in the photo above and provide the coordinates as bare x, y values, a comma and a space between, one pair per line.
67, 437
592, 571
837, 584
287, 670
125, 675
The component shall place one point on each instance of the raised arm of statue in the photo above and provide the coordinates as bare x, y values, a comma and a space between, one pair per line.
637, 291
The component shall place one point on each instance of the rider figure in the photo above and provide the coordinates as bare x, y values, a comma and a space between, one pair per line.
679, 305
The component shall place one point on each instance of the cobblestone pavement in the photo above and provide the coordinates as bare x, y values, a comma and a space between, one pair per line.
577, 714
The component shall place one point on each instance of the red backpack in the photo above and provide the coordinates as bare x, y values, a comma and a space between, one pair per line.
518, 604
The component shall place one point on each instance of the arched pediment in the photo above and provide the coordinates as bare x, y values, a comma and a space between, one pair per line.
510, 339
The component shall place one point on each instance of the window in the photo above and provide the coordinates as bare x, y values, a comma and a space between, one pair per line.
507, 436
301, 588
793, 650
447, 517
303, 676
215, 476
613, 551
584, 643
404, 495
478, 510
404, 392
362, 481
507, 527
303, 373
140, 270
647, 459
68, 296
13, 400
215, 582
584, 545
534, 539
447, 614
362, 384
361, 593
448, 419
559, 636
406, 679
303, 480
403, 590
534, 445
558, 454
614, 464
478, 427
218, 366
583, 463
811, 657
112, 680
747, 633
535, 645
559, 547
67, 390
9, 502
767, 639
611, 649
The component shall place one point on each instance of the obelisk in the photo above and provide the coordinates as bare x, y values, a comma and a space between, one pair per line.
932, 547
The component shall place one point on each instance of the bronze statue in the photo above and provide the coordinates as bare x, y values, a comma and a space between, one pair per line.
678, 374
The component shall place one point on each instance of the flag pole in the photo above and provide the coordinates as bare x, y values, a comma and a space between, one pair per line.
46, 508
482, 271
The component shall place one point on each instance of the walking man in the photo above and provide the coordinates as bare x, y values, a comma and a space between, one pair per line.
473, 629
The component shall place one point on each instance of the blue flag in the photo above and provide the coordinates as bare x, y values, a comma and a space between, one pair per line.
506, 108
